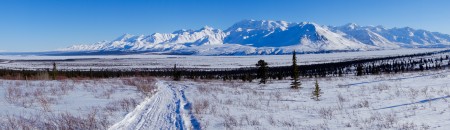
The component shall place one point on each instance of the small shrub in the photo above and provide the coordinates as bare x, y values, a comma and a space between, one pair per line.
326, 113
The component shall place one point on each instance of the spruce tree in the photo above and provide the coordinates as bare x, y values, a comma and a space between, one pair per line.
54, 71
359, 70
262, 71
91, 75
176, 73
340, 72
317, 91
295, 73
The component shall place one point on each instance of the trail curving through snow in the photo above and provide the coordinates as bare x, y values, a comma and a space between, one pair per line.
168, 109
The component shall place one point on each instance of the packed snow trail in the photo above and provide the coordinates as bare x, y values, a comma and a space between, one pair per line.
168, 109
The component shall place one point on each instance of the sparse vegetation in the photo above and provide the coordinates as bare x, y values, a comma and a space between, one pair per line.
41, 101
344, 105
360, 94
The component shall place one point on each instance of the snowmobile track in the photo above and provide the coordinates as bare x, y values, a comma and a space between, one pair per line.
168, 109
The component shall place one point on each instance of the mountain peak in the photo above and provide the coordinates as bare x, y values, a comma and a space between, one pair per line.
255, 36
124, 37
350, 26
258, 25
206, 27
182, 31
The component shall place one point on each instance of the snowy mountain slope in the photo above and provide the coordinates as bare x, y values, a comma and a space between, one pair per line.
415, 37
157, 41
365, 35
271, 37
395, 37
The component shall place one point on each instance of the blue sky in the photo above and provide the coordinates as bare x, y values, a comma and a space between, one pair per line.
38, 25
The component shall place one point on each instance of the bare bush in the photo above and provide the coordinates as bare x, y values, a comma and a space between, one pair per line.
413, 93
13, 94
64, 87
213, 109
40, 96
45, 103
288, 123
15, 123
425, 91
69, 121
126, 104
326, 113
63, 121
111, 107
144, 85
408, 126
228, 102
200, 106
255, 122
381, 87
390, 120
107, 93
271, 120
203, 89
341, 98
229, 121
361, 104
278, 95
250, 104
244, 120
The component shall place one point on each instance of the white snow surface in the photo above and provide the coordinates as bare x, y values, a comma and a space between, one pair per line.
127, 62
255, 37
391, 101
45, 100
168, 109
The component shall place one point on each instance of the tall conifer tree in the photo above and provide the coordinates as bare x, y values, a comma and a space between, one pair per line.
262, 71
295, 73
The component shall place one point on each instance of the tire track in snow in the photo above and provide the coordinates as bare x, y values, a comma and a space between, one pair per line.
167, 109
188, 114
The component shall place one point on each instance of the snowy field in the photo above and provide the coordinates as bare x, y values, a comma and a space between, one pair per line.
127, 62
407, 101
415, 100
69, 104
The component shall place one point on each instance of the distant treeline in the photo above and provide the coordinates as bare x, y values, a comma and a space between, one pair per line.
392, 64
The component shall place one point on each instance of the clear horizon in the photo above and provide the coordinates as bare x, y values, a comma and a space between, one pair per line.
40, 25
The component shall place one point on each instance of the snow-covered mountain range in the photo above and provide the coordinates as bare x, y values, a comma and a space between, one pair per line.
270, 37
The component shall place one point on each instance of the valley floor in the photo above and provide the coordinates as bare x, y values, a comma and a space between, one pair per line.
390, 101
129, 62
417, 100
69, 103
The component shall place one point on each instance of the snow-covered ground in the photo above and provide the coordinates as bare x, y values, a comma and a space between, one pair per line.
416, 100
399, 101
391, 101
68, 104
126, 62
168, 109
